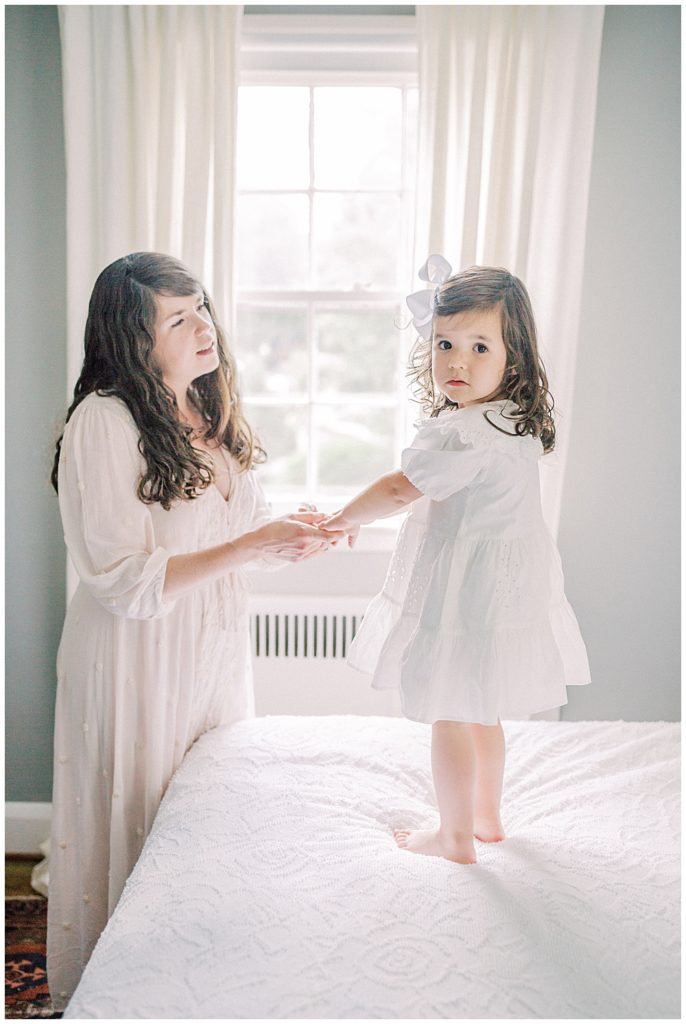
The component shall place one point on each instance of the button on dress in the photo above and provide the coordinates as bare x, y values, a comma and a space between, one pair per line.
140, 678
472, 624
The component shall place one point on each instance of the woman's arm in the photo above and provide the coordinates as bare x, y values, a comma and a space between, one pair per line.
388, 494
289, 540
110, 532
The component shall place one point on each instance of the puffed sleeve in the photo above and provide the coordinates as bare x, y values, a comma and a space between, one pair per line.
108, 530
261, 511
261, 515
440, 461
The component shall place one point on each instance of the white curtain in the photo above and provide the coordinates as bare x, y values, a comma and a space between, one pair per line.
150, 118
507, 100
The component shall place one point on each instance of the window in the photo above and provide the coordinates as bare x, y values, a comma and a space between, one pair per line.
325, 172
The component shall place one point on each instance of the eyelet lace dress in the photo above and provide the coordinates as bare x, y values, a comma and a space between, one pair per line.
140, 678
472, 623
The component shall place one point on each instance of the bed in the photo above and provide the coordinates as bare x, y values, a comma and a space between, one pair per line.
271, 886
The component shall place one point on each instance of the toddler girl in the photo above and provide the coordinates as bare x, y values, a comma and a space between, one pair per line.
472, 623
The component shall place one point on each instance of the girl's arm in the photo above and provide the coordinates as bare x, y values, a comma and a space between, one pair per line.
388, 494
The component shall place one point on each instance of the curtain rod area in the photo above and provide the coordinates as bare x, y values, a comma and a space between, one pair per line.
378, 9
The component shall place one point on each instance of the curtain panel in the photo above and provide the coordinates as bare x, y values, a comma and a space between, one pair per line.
150, 123
507, 98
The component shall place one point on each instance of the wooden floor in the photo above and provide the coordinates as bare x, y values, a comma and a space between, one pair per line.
18, 876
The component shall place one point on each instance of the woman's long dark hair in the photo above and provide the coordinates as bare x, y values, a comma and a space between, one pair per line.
525, 381
118, 360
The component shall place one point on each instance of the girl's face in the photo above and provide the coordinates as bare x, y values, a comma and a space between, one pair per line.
468, 355
185, 340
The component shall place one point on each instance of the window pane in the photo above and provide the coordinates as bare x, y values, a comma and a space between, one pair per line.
356, 351
272, 241
282, 431
344, 232
357, 137
271, 349
411, 128
273, 137
355, 445
357, 241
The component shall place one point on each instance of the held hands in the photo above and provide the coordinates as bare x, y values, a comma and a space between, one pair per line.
297, 536
332, 524
337, 525
338, 522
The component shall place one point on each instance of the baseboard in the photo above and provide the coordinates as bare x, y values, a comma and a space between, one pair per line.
27, 825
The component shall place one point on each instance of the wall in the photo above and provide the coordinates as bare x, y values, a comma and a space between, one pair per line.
619, 535
35, 368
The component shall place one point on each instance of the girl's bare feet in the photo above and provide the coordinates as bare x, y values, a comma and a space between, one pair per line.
458, 848
488, 828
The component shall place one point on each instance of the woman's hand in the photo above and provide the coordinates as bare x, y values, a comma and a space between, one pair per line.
281, 540
307, 514
294, 538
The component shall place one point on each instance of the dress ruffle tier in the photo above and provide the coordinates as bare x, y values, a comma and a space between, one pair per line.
472, 623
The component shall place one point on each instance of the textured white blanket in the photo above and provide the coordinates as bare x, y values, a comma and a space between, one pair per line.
271, 886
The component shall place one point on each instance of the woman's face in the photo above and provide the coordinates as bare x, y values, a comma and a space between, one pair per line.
185, 340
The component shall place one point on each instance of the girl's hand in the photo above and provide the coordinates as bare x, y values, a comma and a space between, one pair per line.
292, 540
338, 521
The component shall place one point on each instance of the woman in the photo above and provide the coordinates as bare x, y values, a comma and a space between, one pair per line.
161, 512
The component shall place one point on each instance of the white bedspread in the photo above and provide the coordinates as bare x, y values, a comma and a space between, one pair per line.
271, 886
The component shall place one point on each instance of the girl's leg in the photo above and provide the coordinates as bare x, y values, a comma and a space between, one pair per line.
452, 761
489, 752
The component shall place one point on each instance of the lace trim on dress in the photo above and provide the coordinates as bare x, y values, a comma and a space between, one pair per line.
473, 428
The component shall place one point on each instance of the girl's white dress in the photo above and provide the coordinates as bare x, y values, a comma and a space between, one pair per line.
140, 678
472, 623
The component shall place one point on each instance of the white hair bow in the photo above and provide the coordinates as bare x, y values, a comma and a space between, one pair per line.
436, 271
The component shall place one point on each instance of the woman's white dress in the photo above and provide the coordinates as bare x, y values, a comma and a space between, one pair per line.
140, 678
472, 623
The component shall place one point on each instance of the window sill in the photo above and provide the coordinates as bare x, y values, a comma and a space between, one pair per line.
375, 537
341, 571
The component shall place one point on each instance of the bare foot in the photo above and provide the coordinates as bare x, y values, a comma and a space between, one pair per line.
428, 841
488, 828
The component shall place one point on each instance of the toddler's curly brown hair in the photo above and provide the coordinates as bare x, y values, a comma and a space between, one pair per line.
524, 382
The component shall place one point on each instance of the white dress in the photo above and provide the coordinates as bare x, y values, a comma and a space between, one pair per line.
139, 678
472, 623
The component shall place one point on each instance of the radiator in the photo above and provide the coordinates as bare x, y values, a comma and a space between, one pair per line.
299, 647
300, 630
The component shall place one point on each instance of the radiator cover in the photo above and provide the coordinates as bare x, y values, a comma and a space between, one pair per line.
299, 647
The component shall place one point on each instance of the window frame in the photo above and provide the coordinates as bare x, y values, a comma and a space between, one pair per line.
322, 50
